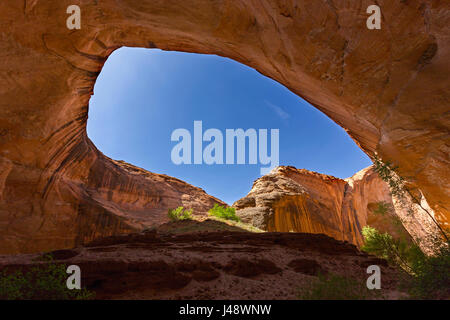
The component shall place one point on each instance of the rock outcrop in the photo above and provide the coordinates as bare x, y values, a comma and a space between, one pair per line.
98, 198
215, 265
298, 200
388, 88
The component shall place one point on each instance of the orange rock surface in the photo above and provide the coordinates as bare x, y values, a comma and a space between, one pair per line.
299, 200
388, 88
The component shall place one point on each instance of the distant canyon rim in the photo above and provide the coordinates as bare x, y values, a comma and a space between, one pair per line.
388, 88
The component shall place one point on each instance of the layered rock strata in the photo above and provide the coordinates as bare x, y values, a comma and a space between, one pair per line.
298, 200
215, 265
388, 88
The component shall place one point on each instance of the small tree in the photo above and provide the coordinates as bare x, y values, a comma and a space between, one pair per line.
180, 214
429, 275
388, 173
228, 213
336, 287
395, 251
45, 281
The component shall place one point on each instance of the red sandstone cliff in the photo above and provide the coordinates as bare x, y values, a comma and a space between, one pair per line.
91, 196
298, 200
388, 88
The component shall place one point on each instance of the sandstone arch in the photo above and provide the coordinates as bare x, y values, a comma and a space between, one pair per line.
388, 88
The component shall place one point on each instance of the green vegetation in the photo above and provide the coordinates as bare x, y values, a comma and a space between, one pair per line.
219, 219
224, 213
395, 251
387, 172
200, 224
336, 287
180, 214
42, 282
238, 224
429, 275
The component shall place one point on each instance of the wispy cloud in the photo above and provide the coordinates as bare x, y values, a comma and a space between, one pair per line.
278, 110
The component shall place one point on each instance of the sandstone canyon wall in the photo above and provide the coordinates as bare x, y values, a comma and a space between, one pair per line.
388, 88
298, 200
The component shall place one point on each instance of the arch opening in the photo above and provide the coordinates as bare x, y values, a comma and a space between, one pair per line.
57, 190
142, 95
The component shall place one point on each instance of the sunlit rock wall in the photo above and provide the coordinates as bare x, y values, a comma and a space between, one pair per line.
388, 88
298, 200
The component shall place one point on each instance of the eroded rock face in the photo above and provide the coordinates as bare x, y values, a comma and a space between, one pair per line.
388, 88
213, 265
298, 200
99, 197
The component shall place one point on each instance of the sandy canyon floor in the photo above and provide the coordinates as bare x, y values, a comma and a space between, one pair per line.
211, 260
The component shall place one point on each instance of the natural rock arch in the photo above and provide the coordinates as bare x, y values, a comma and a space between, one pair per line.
388, 88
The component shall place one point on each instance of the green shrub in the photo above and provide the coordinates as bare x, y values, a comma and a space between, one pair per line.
336, 287
387, 173
180, 214
42, 282
429, 275
228, 213
395, 251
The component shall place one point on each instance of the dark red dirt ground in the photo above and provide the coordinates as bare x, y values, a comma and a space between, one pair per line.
212, 265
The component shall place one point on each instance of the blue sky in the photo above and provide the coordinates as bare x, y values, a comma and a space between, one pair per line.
143, 95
